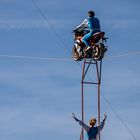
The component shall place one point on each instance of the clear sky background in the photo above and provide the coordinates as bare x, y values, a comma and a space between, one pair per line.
37, 96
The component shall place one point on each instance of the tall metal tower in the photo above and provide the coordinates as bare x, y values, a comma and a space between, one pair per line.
97, 66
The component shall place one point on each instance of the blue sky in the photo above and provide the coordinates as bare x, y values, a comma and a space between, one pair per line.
37, 96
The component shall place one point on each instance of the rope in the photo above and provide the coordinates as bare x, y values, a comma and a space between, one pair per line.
118, 116
50, 25
62, 59
35, 58
123, 55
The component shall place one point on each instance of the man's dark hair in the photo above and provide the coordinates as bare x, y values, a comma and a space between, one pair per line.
91, 13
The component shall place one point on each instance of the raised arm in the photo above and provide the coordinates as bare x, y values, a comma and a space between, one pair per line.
86, 127
82, 25
102, 123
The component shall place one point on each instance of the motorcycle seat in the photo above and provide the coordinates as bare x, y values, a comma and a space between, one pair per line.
97, 36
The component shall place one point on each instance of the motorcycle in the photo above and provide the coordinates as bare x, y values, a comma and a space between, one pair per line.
97, 42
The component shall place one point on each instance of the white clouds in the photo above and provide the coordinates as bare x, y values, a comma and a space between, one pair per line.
8, 1
31, 120
22, 24
32, 24
123, 24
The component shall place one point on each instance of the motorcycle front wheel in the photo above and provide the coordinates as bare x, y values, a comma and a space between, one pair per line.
75, 54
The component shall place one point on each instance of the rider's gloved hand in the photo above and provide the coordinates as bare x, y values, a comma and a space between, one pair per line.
74, 30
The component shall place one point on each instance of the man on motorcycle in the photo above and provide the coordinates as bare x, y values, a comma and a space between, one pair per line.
93, 24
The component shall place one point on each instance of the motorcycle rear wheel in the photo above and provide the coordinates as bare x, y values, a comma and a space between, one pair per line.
98, 51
